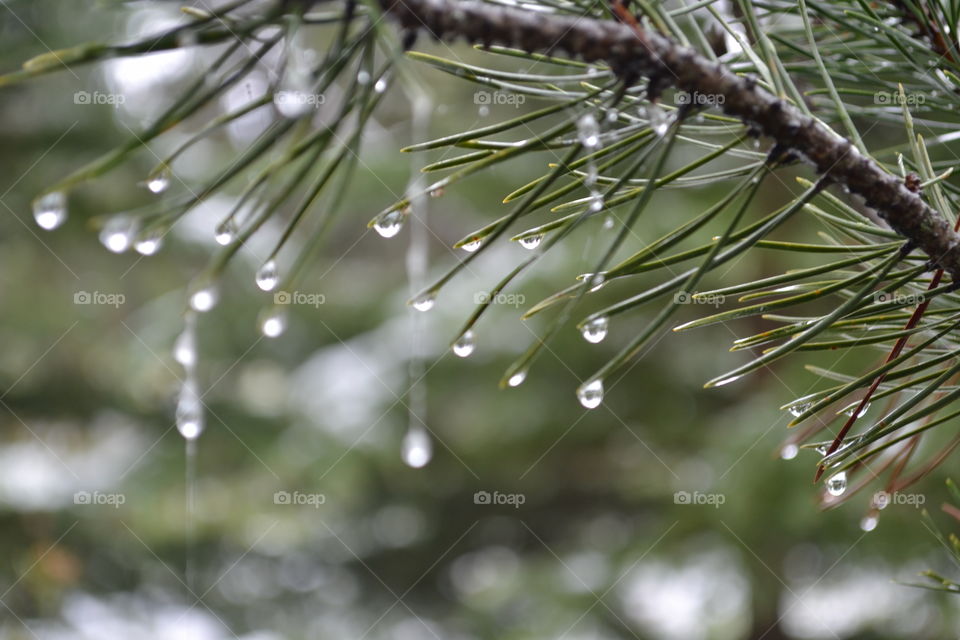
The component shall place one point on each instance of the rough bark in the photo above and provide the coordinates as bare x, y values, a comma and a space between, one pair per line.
633, 51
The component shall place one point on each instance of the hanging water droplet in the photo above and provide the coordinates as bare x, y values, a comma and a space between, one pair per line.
424, 302
203, 299
869, 522
517, 378
149, 243
789, 451
185, 347
658, 119
837, 484
822, 449
472, 246
416, 449
597, 281
595, 330
50, 210
273, 322
380, 86
295, 97
117, 234
436, 193
596, 201
389, 223
588, 131
531, 242
268, 276
158, 181
189, 412
483, 111
852, 409
465, 344
225, 232
612, 115
590, 393
363, 77
797, 410
720, 383
608, 222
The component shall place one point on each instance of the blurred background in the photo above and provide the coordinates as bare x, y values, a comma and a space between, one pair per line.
296, 516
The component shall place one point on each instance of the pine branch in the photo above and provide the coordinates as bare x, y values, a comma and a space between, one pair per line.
632, 52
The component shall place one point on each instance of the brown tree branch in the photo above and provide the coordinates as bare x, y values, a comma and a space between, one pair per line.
632, 52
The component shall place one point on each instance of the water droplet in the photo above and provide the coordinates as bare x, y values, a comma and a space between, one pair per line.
50, 210
424, 302
612, 115
869, 522
117, 234
789, 451
363, 77
436, 193
417, 449
483, 111
797, 410
837, 484
267, 276
595, 330
149, 243
609, 222
850, 411
389, 223
720, 383
158, 181
203, 299
185, 348
588, 131
273, 322
472, 246
531, 242
380, 86
225, 232
590, 394
517, 378
658, 119
465, 344
189, 412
